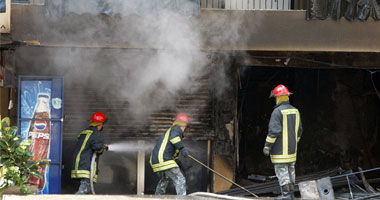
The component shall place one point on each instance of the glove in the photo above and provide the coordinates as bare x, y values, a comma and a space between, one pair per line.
105, 147
185, 153
266, 151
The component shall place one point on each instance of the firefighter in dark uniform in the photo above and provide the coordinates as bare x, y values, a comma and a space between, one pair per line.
164, 156
284, 133
89, 141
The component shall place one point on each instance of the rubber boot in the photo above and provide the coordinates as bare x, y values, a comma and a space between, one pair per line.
84, 187
285, 193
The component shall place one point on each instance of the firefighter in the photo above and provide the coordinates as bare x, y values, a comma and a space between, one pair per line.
284, 132
90, 140
165, 153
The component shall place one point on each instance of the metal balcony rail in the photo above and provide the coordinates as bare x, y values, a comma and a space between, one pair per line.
254, 4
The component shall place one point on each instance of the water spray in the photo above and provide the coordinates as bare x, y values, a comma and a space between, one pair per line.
131, 146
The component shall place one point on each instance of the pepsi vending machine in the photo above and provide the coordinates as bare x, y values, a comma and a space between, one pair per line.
40, 119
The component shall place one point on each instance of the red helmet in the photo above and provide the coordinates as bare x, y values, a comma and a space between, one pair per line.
98, 117
182, 117
280, 90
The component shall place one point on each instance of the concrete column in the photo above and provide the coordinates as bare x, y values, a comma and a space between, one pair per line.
140, 168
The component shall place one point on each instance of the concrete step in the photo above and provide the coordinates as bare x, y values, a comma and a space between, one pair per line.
99, 197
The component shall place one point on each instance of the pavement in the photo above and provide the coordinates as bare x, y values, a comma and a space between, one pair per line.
103, 197
94, 197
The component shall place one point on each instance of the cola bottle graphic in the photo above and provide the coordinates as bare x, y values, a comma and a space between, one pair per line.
39, 134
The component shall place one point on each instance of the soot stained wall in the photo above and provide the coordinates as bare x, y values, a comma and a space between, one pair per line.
339, 110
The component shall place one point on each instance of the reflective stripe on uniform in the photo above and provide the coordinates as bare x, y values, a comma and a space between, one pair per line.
80, 174
83, 174
289, 160
270, 139
85, 132
95, 176
163, 146
164, 165
175, 156
88, 134
284, 158
95, 179
175, 140
297, 127
285, 133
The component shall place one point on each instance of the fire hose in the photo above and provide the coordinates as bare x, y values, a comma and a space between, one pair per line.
92, 172
225, 178
93, 168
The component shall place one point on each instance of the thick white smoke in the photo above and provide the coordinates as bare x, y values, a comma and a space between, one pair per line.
147, 79
144, 52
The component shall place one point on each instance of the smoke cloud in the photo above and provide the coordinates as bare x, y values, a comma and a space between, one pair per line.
146, 53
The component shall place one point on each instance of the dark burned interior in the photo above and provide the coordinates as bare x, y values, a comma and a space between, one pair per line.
339, 111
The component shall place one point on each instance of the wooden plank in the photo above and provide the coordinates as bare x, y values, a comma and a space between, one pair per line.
221, 166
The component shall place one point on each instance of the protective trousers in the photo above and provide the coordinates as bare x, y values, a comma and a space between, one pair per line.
85, 187
176, 176
285, 173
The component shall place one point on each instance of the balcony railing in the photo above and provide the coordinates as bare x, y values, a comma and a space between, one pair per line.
29, 1
221, 4
255, 4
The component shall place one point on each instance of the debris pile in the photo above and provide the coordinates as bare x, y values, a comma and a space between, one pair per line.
346, 183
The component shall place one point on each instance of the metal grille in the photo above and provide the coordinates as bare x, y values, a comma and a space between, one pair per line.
248, 4
29, 1
81, 103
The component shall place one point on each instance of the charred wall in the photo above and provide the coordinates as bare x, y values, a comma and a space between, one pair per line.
339, 111
95, 81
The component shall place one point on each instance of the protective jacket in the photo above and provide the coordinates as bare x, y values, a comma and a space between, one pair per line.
285, 130
167, 149
89, 141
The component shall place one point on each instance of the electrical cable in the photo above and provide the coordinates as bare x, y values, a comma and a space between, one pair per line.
373, 82
309, 60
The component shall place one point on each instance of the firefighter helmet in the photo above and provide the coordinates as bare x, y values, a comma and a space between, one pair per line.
279, 90
182, 117
98, 117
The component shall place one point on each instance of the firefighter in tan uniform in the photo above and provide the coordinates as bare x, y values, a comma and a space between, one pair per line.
284, 133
